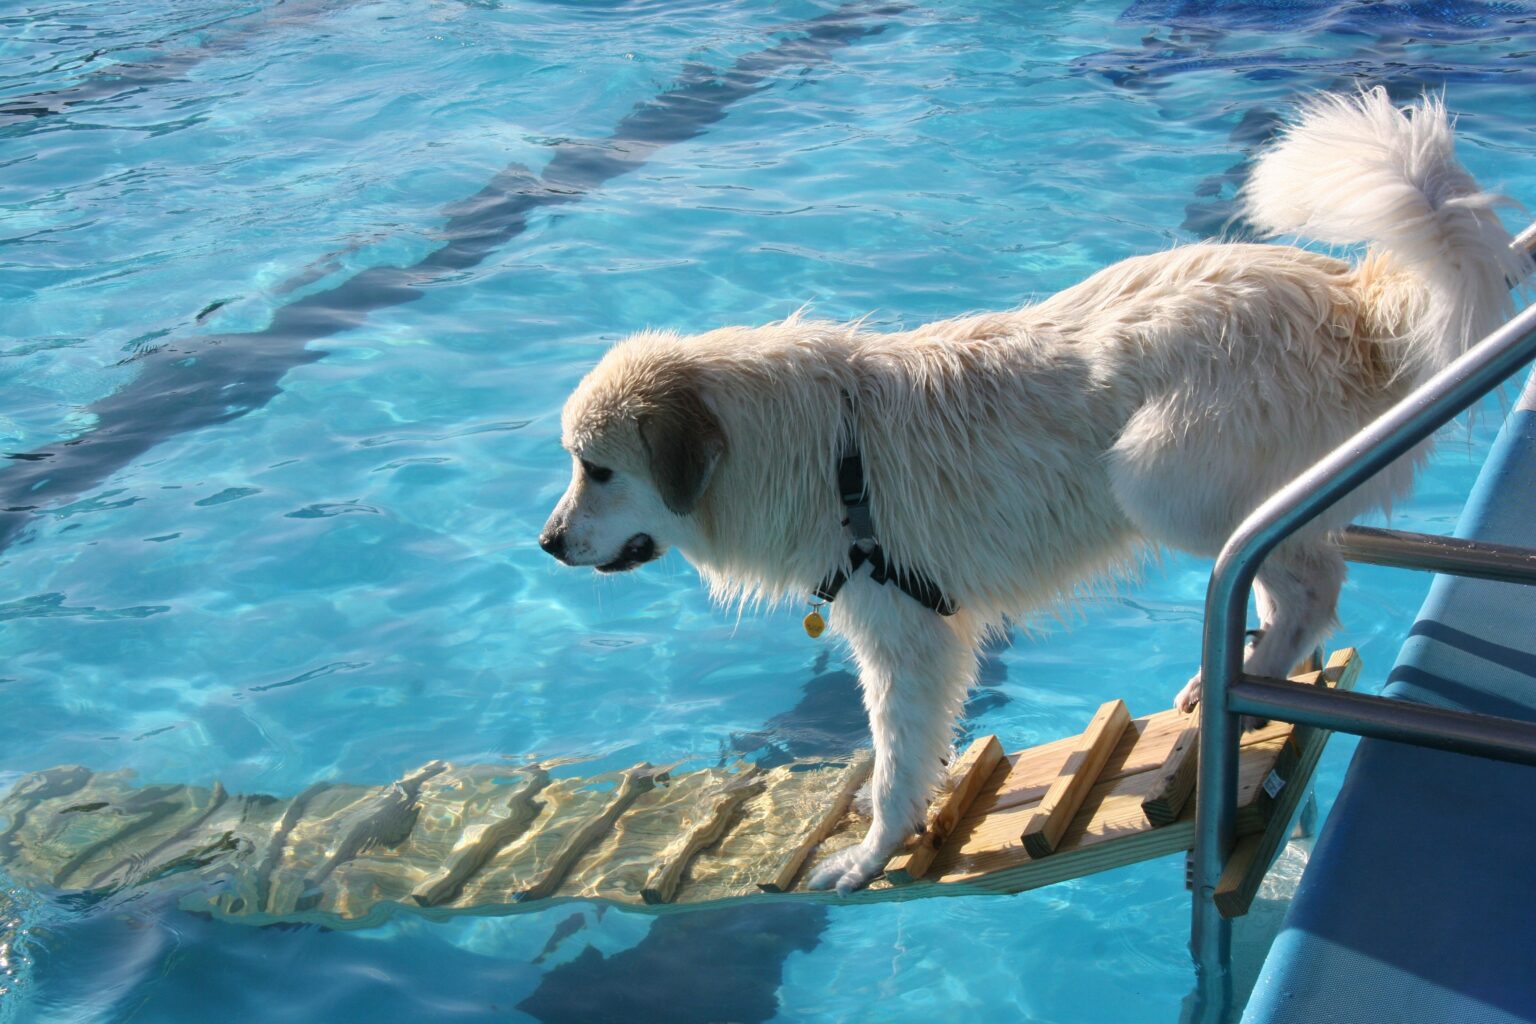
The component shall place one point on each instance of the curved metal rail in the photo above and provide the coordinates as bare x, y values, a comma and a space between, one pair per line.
1228, 694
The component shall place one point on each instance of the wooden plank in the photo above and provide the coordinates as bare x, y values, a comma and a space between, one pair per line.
640, 779
1249, 861
1077, 861
967, 775
1176, 778
1030, 772
1343, 669
1179, 772
856, 775
1246, 855
1110, 817
1062, 801
707, 829
470, 856
1145, 747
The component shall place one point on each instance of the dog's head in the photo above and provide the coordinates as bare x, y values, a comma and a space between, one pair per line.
643, 448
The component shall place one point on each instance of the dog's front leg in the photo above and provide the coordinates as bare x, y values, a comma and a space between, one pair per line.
915, 667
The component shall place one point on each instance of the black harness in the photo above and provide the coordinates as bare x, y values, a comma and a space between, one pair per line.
866, 550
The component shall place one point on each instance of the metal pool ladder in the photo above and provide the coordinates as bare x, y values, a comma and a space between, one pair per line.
1228, 694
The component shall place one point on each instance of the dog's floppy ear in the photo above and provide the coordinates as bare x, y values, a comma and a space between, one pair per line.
684, 442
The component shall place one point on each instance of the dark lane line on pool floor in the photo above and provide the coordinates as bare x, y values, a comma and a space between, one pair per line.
25, 114
207, 380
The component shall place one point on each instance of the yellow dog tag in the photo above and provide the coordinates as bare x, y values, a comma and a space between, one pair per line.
814, 624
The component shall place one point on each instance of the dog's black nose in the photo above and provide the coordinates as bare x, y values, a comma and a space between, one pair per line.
553, 541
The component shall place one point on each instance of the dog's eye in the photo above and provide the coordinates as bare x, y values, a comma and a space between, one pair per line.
599, 474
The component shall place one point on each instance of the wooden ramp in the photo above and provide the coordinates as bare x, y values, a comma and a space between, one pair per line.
496, 839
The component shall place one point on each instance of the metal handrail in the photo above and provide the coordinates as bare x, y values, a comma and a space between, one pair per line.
1462, 732
1430, 406
1456, 556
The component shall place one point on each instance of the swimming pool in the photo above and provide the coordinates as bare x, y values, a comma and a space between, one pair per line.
269, 568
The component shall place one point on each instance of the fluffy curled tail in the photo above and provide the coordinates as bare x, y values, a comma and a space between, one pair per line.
1356, 169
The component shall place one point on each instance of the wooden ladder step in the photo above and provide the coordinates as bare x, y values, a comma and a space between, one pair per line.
789, 866
709, 826
478, 849
1066, 795
638, 780
967, 775
1176, 779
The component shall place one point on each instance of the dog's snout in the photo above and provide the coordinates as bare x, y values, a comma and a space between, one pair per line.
553, 542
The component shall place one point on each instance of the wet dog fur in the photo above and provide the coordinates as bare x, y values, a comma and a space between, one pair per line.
1017, 457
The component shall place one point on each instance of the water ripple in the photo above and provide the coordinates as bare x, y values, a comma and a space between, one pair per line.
324, 670
226, 495
468, 431
327, 510
52, 606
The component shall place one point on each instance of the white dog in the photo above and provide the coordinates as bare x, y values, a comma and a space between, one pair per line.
1004, 460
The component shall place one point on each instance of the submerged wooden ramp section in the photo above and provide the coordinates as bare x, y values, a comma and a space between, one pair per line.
497, 839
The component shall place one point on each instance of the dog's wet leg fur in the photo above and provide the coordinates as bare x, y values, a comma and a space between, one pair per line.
915, 669
1296, 590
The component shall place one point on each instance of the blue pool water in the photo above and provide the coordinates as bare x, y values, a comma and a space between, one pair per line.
271, 264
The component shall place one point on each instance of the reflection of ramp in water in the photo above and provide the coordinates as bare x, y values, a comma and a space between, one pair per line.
501, 838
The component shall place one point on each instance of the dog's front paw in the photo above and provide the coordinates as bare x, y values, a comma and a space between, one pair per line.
849, 869
1189, 697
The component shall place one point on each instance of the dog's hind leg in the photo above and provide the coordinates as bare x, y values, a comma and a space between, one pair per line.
1297, 591
1300, 583
915, 667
